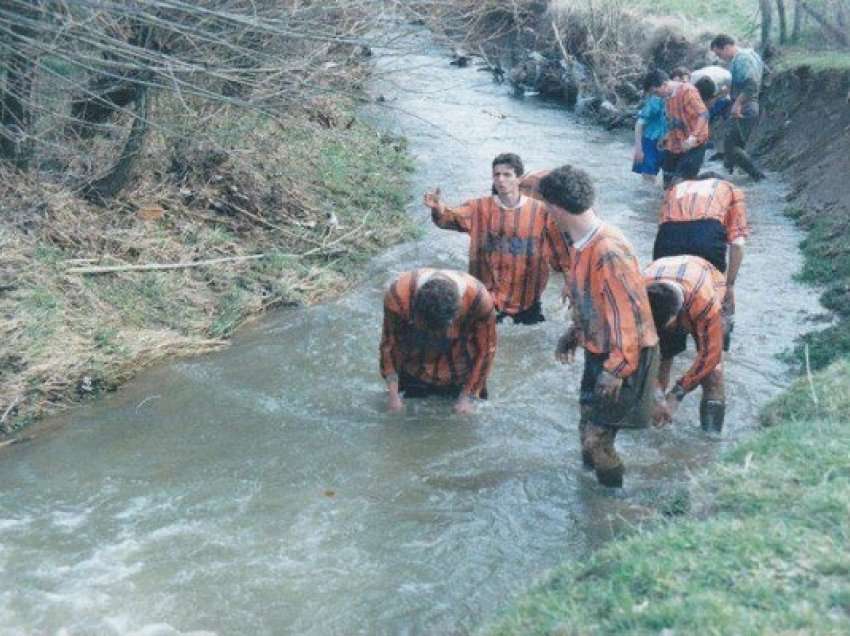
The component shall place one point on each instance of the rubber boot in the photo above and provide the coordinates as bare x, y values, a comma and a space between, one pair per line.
586, 452
607, 463
711, 415
742, 159
611, 477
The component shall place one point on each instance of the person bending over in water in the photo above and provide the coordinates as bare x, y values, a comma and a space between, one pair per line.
439, 337
686, 294
707, 218
513, 241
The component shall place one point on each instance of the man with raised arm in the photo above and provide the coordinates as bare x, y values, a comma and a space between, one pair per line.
439, 337
513, 240
612, 321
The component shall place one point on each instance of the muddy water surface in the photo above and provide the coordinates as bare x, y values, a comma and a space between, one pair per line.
264, 489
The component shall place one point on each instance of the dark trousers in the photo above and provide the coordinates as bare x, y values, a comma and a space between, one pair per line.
530, 316
413, 387
683, 164
734, 153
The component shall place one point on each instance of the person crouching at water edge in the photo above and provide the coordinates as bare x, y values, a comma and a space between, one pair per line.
686, 294
612, 321
513, 241
439, 337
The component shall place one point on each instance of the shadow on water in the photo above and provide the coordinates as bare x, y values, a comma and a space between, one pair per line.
263, 489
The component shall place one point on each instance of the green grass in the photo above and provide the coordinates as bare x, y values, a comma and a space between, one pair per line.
772, 557
737, 17
817, 60
827, 263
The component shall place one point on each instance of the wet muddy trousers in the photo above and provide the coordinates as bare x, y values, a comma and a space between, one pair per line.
598, 453
711, 415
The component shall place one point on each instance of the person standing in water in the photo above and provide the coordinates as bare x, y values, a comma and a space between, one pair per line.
513, 241
612, 321
746, 68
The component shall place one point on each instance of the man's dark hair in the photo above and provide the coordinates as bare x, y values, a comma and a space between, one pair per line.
721, 41
512, 160
436, 303
706, 88
654, 78
679, 71
664, 302
568, 188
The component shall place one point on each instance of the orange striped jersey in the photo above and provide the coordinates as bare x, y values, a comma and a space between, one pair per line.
686, 116
462, 356
529, 185
510, 249
707, 199
608, 295
704, 288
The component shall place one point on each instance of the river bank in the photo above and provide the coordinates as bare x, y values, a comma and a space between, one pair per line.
758, 542
288, 215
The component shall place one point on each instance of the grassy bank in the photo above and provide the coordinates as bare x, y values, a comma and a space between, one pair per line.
765, 552
316, 194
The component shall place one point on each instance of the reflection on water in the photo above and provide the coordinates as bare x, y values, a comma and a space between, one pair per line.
264, 490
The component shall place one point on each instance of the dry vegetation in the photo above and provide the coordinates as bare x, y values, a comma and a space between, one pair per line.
145, 133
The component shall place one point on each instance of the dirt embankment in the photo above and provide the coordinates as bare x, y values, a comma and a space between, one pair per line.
805, 134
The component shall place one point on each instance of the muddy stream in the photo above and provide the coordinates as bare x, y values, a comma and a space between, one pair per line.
264, 490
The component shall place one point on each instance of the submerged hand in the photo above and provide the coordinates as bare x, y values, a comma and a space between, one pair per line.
638, 155
464, 405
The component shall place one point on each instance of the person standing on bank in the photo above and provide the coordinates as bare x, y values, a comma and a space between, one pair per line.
747, 69
687, 125
686, 294
513, 241
612, 321
706, 218
439, 337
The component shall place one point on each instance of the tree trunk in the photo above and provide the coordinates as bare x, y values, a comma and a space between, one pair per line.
798, 20
15, 94
766, 8
833, 31
783, 23
110, 184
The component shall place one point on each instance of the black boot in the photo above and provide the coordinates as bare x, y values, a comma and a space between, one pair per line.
611, 477
711, 415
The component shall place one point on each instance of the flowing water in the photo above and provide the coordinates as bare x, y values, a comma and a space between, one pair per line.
265, 490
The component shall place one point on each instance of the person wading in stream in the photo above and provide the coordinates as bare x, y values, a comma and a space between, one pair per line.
687, 125
612, 321
686, 294
513, 241
439, 337
746, 68
706, 218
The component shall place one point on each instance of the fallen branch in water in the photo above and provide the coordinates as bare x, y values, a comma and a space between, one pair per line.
109, 269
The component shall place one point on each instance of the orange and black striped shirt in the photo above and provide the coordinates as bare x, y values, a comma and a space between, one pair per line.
704, 288
510, 249
707, 199
610, 305
463, 356
686, 116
